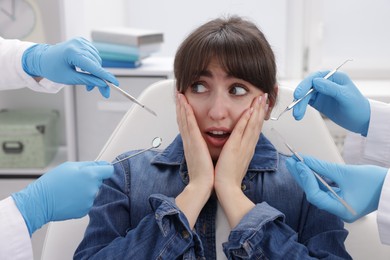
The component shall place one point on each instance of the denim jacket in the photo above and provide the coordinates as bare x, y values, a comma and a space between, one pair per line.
135, 216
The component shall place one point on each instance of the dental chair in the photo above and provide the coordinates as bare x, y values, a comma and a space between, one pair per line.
138, 128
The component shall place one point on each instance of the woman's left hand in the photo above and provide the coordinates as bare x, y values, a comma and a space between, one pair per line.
234, 160
238, 151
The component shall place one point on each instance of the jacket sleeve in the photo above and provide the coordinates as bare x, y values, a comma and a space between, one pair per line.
162, 234
12, 73
263, 234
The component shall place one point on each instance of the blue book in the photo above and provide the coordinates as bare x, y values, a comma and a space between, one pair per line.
121, 64
118, 57
140, 51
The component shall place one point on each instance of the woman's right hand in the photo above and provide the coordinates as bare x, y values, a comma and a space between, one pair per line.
199, 162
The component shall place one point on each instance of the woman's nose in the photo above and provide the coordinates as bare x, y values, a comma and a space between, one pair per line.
218, 108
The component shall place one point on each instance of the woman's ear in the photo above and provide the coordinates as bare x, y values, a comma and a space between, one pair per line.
272, 102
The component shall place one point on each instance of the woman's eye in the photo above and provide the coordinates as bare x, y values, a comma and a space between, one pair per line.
198, 87
238, 90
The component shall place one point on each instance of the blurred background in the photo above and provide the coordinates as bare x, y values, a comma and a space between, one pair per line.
305, 35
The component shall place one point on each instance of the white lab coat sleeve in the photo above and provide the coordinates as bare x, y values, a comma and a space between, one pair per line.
377, 145
12, 75
383, 214
15, 241
375, 148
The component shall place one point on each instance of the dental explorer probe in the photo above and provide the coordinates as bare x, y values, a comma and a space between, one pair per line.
289, 107
319, 178
121, 91
127, 95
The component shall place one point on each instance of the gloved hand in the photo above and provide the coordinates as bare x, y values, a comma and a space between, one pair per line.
57, 63
65, 192
359, 185
336, 97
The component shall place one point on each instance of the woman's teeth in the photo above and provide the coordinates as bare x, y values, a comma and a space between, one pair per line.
218, 133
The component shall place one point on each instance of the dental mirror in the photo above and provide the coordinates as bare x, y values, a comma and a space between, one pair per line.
156, 142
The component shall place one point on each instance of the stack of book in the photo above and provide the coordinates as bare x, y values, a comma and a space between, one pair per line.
124, 47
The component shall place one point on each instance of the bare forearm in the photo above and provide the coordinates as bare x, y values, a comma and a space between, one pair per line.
235, 204
191, 201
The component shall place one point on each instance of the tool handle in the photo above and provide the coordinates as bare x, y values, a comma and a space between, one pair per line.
299, 100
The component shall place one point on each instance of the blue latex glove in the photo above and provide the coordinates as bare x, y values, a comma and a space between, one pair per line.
336, 97
359, 185
65, 192
57, 63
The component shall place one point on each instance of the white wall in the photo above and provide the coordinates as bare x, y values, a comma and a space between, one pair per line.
178, 18
356, 29
306, 35
81, 16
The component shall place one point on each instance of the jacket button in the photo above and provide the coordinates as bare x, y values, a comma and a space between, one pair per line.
185, 234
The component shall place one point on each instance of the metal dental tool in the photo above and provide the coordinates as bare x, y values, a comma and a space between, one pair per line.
319, 178
289, 107
121, 91
133, 99
156, 142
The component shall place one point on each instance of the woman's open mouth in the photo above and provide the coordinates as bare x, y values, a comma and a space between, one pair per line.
217, 138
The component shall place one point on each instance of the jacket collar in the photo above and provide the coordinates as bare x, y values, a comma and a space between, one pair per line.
264, 159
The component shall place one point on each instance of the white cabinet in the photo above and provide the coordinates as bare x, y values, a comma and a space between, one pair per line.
63, 103
97, 117
86, 118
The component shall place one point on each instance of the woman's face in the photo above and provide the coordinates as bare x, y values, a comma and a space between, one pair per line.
218, 101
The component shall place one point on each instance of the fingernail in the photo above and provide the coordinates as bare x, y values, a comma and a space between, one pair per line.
260, 98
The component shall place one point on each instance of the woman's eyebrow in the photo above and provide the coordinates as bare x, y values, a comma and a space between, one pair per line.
206, 73
209, 74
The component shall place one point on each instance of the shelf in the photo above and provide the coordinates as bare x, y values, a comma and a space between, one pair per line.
151, 67
59, 158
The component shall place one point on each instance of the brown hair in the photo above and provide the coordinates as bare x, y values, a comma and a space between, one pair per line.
240, 47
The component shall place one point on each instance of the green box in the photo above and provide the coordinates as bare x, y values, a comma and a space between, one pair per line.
28, 137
